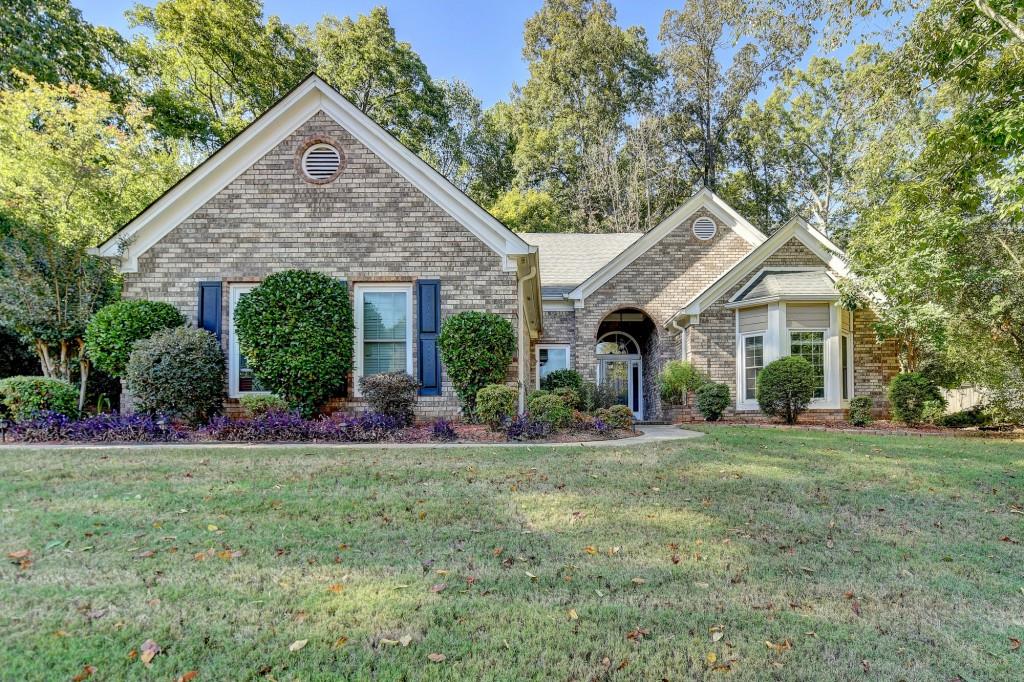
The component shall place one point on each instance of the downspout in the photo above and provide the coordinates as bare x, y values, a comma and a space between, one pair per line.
683, 341
524, 343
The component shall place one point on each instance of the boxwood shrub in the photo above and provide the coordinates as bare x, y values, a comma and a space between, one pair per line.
616, 416
115, 328
258, 405
23, 397
391, 393
785, 387
476, 348
550, 409
860, 410
179, 372
296, 331
496, 403
562, 378
908, 394
712, 400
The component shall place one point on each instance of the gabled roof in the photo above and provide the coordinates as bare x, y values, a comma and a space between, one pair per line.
568, 258
266, 132
811, 284
797, 228
704, 199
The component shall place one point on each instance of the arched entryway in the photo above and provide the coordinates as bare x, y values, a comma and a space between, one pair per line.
625, 345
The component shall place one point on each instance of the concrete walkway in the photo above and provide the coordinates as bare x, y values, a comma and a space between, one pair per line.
650, 433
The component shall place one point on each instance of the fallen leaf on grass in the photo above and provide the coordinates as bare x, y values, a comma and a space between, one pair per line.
440, 587
149, 650
297, 644
590, 549
855, 605
572, 614
638, 634
405, 640
188, 677
638, 581
436, 658
212, 528
145, 555
20, 554
711, 657
498, 550
229, 554
529, 575
87, 672
340, 642
784, 645
717, 635
1014, 643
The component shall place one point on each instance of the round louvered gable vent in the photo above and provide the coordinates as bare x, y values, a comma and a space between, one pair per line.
321, 163
704, 228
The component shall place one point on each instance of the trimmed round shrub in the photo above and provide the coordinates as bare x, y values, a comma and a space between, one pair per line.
495, 403
785, 387
296, 332
712, 400
259, 405
616, 416
391, 393
908, 394
23, 397
860, 410
476, 349
178, 372
562, 378
550, 409
115, 328
677, 379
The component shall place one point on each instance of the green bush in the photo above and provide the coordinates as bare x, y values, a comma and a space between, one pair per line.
495, 403
972, 416
677, 379
391, 393
593, 397
178, 371
562, 378
570, 395
616, 416
908, 394
712, 400
933, 411
860, 410
115, 328
550, 409
785, 387
24, 396
260, 405
296, 330
476, 349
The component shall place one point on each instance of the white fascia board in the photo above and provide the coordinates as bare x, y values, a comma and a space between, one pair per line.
769, 269
238, 155
754, 302
705, 199
816, 243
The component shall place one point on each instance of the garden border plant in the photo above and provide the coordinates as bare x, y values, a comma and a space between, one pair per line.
476, 349
115, 328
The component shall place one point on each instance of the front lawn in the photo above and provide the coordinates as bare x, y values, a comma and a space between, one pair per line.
746, 554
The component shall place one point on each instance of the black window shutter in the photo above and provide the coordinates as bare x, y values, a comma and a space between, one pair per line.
208, 315
428, 296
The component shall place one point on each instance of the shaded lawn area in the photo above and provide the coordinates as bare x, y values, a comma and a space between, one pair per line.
813, 554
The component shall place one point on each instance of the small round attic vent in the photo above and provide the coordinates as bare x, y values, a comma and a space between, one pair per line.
704, 228
321, 162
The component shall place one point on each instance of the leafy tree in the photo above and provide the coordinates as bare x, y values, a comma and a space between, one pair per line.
706, 98
50, 41
587, 76
530, 211
208, 67
492, 155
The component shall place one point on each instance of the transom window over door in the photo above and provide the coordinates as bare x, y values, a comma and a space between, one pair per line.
753, 362
383, 329
811, 347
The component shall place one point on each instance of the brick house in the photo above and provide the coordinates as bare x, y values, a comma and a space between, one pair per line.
315, 184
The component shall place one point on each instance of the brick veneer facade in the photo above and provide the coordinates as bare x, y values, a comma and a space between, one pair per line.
368, 225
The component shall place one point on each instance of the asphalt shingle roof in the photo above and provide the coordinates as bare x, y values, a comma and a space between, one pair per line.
807, 283
567, 259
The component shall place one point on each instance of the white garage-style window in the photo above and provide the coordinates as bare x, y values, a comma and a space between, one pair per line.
550, 357
383, 317
240, 378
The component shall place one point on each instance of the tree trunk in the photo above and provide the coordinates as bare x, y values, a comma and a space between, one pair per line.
83, 374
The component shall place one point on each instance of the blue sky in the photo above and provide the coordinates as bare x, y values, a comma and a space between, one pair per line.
477, 41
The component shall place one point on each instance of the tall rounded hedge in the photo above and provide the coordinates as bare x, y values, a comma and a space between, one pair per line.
24, 396
785, 387
115, 328
178, 371
296, 331
908, 394
476, 349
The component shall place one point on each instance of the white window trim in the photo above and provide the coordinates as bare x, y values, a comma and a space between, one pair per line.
551, 346
831, 390
743, 403
234, 295
851, 389
362, 289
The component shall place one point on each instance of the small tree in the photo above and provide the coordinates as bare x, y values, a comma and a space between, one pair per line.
712, 400
785, 387
476, 349
113, 330
296, 331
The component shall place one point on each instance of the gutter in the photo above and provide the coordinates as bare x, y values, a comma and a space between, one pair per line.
524, 350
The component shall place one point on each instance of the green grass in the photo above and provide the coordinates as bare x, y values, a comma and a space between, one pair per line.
779, 536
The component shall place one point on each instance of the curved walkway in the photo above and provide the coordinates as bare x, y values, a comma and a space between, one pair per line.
652, 433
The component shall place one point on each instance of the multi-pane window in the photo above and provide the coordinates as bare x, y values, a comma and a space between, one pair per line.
550, 358
385, 331
811, 347
753, 361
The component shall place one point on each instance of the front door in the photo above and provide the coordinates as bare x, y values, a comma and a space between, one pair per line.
622, 376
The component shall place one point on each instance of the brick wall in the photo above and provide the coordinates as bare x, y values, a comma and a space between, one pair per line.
368, 225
